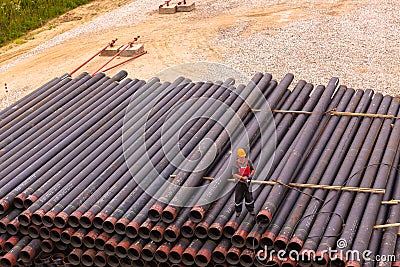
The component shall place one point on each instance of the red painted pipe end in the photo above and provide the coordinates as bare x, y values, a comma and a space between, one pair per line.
264, 217
188, 229
247, 257
233, 255
253, 240
120, 225
340, 259
13, 227
122, 249
157, 233
219, 254
55, 234
37, 217
109, 224
230, 229
197, 214
145, 228
281, 242
148, 251
171, 233
169, 214
161, 254
19, 200
25, 217
48, 218
239, 238
201, 230
203, 257
322, 258
188, 256
8, 260
47, 245
267, 239
99, 219
61, 219
29, 201
4, 206
86, 220
73, 219
132, 229
155, 212
215, 231
295, 244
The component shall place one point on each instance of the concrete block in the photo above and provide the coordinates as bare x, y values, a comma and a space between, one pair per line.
133, 50
110, 51
189, 6
170, 9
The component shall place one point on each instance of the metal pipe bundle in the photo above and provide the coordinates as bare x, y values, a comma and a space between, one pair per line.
97, 168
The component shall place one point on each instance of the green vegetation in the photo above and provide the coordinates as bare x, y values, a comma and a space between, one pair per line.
17, 17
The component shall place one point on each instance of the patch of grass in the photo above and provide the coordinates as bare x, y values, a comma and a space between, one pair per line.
18, 17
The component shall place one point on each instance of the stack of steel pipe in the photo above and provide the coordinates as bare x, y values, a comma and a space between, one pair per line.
113, 171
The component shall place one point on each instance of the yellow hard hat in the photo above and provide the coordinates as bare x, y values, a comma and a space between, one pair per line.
241, 153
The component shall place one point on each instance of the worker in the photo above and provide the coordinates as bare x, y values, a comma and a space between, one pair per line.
242, 171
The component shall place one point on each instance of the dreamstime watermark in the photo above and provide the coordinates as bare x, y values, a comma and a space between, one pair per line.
340, 253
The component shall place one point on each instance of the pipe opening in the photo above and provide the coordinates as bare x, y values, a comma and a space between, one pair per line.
33, 231
238, 241
170, 235
18, 202
144, 232
74, 259
12, 229
47, 246
85, 222
272, 263
76, 241
109, 249
3, 227
187, 259
228, 231
218, 256
99, 243
174, 257
214, 233
98, 222
59, 222
161, 256
88, 241
108, 227
294, 246
125, 262
28, 202
167, 216
73, 221
5, 262
47, 221
187, 231
133, 253
154, 215
131, 231
251, 242
195, 216
262, 219
320, 261
24, 219
147, 254
200, 232
119, 228
156, 236
246, 260
112, 260
201, 260
232, 258
44, 232
55, 235
280, 244
99, 260
25, 256
87, 260
36, 219
121, 252
139, 263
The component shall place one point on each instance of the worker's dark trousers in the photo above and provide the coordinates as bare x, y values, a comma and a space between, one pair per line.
242, 191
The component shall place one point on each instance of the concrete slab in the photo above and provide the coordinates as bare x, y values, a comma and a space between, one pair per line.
170, 9
111, 51
132, 51
189, 6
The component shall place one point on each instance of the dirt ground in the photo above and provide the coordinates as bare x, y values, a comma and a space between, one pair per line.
168, 41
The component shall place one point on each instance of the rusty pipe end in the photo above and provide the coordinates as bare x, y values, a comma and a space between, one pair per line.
203, 257
253, 240
267, 239
148, 251
295, 243
37, 217
201, 230
13, 227
4, 206
134, 251
169, 214
215, 231
33, 231
55, 234
29, 201
196, 214
109, 224
19, 200
44, 232
264, 217
247, 258
219, 254
122, 249
86, 220
233, 256
187, 229
25, 217
113, 261
101, 240
3, 224
155, 212
61, 219
8, 260
120, 225
274, 261
100, 259
157, 233
145, 228
339, 259
132, 229
99, 219
321, 258
73, 219
89, 238
48, 218
281, 242
75, 256
188, 256
66, 235
171, 233
47, 245
230, 229
161, 254
88, 257
239, 238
